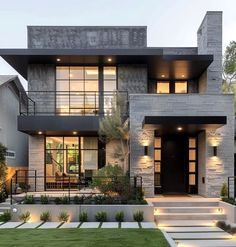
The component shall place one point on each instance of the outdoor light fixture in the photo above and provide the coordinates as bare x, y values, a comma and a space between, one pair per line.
74, 132
162, 76
58, 59
145, 150
182, 76
214, 151
40, 132
14, 210
109, 59
179, 128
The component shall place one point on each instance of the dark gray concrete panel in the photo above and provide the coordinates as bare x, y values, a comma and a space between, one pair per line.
71, 37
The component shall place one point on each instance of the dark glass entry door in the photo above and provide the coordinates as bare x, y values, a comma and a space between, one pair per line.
174, 164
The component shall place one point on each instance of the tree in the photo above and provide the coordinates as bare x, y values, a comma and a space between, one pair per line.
229, 67
115, 127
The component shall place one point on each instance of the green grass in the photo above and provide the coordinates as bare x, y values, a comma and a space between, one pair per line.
82, 238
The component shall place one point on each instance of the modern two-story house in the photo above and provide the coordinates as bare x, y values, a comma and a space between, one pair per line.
181, 125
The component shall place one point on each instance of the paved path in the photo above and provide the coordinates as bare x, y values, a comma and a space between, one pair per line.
199, 236
85, 225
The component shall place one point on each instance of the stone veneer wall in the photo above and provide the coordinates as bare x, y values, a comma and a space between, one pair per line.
36, 160
209, 39
216, 171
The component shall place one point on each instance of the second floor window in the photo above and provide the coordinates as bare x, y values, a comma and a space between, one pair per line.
176, 87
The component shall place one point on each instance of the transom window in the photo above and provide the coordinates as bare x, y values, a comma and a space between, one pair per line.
166, 87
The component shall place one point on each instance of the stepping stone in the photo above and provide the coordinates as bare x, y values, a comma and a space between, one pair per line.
70, 225
207, 243
29, 225
9, 225
49, 225
148, 225
110, 225
192, 229
129, 225
200, 235
90, 225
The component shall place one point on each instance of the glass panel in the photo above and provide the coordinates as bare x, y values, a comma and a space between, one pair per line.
77, 72
192, 154
62, 72
157, 179
158, 142
157, 154
91, 86
71, 142
192, 142
163, 87
63, 85
192, 167
89, 159
76, 85
54, 142
76, 102
89, 142
192, 179
181, 87
110, 86
62, 104
54, 162
109, 73
72, 161
157, 166
91, 72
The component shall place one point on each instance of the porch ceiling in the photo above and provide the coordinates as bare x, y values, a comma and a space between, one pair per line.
188, 124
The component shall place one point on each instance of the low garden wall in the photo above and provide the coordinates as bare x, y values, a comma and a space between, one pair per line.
74, 211
229, 210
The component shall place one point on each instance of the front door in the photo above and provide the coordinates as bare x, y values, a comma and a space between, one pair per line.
174, 164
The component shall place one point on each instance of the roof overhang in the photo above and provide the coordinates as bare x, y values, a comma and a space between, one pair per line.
173, 66
189, 124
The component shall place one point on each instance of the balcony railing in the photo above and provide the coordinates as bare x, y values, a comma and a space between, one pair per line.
76, 103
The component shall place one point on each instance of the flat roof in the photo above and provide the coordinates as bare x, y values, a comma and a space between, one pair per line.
173, 66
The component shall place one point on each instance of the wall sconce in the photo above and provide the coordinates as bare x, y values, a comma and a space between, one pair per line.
145, 150
214, 151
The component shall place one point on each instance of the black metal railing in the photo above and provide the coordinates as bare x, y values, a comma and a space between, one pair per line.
232, 187
64, 103
28, 181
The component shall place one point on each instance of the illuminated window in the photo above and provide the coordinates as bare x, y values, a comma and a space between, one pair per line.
163, 87
181, 87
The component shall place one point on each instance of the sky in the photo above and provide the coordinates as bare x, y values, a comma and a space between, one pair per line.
169, 22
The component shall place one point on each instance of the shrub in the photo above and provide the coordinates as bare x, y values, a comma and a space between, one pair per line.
101, 216
138, 216
29, 199
45, 216
57, 200
25, 216
88, 200
229, 200
44, 199
79, 199
6, 216
119, 216
63, 217
83, 217
224, 190
62, 200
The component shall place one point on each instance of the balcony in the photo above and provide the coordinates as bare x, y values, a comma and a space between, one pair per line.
61, 112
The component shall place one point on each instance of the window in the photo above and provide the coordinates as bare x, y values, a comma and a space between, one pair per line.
163, 87
157, 163
10, 154
181, 87
192, 169
166, 87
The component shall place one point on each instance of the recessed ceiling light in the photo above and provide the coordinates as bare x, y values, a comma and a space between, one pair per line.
74, 132
58, 59
40, 132
162, 76
109, 59
179, 128
71, 75
182, 75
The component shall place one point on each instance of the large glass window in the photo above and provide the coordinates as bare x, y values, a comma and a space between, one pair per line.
163, 87
77, 90
166, 87
72, 156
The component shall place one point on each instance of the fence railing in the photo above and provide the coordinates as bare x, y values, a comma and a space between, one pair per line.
24, 182
63, 103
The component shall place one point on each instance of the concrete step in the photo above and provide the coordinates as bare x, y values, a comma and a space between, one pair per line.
207, 243
187, 223
190, 216
158, 210
192, 229
199, 235
4, 208
186, 204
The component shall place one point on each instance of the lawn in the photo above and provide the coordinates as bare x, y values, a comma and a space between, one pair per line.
82, 238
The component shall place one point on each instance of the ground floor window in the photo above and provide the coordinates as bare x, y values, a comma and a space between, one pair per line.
71, 156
